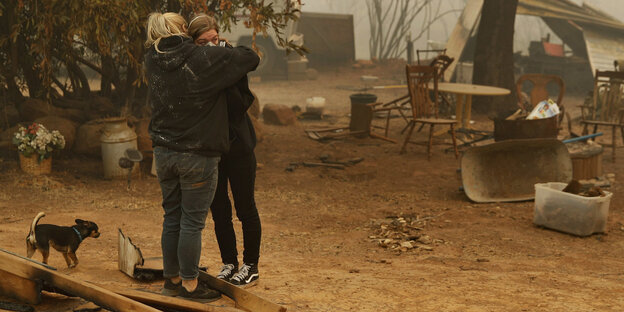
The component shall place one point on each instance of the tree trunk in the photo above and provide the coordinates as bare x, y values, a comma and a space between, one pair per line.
493, 59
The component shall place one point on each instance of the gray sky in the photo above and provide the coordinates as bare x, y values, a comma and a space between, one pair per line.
527, 28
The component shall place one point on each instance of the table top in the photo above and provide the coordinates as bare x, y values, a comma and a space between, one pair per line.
470, 89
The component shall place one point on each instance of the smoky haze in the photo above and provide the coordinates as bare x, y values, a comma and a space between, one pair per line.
528, 28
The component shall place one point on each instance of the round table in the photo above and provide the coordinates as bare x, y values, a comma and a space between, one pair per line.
464, 93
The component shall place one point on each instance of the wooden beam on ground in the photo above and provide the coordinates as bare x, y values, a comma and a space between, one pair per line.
315, 164
160, 301
243, 298
19, 288
26, 268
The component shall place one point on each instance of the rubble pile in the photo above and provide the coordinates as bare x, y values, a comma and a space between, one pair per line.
404, 233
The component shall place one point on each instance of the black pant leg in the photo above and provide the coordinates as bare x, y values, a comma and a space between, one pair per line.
242, 177
222, 216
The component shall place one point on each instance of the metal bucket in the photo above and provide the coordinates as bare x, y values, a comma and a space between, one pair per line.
507, 171
116, 138
526, 129
361, 113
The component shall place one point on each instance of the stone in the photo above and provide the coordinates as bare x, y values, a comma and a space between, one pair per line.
88, 138
65, 126
407, 245
102, 104
6, 137
12, 116
278, 114
312, 73
32, 109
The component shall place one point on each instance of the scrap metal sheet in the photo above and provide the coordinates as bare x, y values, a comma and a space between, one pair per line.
603, 47
564, 9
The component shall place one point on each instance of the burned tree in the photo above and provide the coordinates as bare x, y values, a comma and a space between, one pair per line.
493, 58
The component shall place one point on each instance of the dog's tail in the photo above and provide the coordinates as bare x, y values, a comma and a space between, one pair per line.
31, 236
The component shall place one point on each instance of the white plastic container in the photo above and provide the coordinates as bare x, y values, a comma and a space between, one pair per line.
570, 213
315, 105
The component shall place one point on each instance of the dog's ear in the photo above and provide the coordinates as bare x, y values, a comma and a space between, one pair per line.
79, 221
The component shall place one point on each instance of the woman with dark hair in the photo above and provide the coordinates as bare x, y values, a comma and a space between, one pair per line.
190, 132
238, 166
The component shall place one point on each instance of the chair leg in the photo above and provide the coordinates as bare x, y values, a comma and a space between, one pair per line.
406, 126
421, 127
613, 143
430, 142
409, 134
454, 141
585, 130
387, 124
622, 132
595, 128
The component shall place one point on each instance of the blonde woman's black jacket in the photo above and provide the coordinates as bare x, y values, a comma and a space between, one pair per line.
187, 95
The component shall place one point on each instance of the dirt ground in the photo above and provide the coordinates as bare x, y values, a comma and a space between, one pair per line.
322, 227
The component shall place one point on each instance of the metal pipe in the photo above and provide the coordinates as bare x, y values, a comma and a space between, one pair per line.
581, 138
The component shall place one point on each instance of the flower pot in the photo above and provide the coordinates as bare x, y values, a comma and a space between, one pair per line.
31, 165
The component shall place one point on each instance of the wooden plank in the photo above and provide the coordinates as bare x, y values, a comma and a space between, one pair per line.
19, 288
461, 33
314, 164
159, 300
25, 268
243, 298
129, 256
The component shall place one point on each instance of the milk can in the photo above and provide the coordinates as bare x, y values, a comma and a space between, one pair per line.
116, 138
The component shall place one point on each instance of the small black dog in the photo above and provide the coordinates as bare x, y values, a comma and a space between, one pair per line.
64, 239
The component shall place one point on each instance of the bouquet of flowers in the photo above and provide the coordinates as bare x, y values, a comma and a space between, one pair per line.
36, 139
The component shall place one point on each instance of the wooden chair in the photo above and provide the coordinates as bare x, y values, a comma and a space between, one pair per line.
606, 108
425, 107
398, 104
539, 91
441, 63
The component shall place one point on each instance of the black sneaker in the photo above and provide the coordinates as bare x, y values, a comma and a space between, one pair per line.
201, 294
246, 276
227, 271
171, 289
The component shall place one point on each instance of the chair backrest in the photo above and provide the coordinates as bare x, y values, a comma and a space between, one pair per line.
608, 88
438, 51
441, 63
421, 80
539, 91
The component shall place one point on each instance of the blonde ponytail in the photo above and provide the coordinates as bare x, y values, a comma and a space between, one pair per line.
162, 26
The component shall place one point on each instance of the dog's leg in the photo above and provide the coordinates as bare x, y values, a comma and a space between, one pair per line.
66, 256
30, 250
45, 254
73, 256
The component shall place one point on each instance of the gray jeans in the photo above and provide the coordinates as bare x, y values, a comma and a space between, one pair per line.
188, 182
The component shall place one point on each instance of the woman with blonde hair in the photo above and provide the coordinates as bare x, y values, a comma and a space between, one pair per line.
238, 166
189, 131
